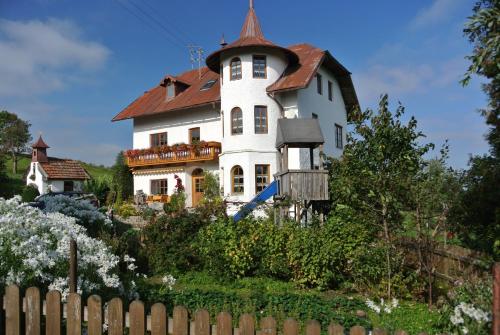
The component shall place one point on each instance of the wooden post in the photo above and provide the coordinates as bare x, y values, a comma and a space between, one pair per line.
72, 266
33, 311
12, 310
496, 299
285, 158
53, 313
321, 167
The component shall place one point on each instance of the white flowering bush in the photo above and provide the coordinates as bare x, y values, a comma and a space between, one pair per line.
34, 250
469, 309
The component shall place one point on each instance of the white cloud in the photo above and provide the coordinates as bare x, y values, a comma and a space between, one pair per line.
438, 11
397, 80
43, 56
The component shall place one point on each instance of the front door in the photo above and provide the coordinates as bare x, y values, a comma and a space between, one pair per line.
197, 189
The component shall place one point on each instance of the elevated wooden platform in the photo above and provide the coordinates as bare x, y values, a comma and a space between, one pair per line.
301, 185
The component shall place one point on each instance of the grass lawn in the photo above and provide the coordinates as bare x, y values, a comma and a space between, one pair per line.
15, 182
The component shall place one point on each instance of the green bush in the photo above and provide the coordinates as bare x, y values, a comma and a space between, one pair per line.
317, 256
30, 192
125, 210
168, 242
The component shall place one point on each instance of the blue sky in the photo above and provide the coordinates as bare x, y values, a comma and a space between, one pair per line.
70, 66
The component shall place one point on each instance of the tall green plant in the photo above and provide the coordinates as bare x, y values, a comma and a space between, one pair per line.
122, 186
381, 160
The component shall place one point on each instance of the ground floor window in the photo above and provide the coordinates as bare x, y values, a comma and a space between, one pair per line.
159, 186
261, 177
69, 186
237, 179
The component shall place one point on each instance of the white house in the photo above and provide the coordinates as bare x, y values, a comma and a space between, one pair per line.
224, 116
51, 174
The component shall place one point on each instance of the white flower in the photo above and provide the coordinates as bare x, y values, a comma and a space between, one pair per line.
169, 281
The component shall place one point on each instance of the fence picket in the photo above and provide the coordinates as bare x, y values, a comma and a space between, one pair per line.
137, 320
335, 329
74, 314
290, 327
400, 332
181, 325
201, 322
94, 317
33, 311
158, 319
378, 331
247, 325
53, 311
313, 327
268, 326
115, 317
357, 330
224, 324
12, 310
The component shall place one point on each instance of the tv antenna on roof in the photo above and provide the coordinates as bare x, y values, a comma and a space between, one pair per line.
196, 57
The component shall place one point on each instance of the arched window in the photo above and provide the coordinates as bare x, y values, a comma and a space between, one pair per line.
237, 179
236, 121
235, 68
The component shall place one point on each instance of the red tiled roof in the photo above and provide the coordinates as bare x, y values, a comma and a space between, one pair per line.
40, 143
64, 169
310, 59
295, 77
155, 100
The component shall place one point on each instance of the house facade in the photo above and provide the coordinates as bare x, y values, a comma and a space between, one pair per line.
223, 118
49, 174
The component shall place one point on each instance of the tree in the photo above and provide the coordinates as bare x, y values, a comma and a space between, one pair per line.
375, 175
14, 136
122, 186
435, 191
477, 213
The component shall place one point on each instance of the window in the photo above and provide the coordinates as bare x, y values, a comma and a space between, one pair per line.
314, 115
69, 186
236, 121
170, 91
208, 85
158, 139
235, 69
319, 82
159, 187
261, 177
237, 180
330, 90
260, 116
194, 135
338, 137
259, 67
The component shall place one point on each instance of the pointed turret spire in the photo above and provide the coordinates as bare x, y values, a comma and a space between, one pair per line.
223, 42
251, 27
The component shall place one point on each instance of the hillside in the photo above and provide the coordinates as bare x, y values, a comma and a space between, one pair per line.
16, 182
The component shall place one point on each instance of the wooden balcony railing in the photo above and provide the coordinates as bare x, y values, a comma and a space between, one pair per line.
206, 151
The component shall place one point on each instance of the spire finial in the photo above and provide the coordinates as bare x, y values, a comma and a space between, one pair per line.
251, 4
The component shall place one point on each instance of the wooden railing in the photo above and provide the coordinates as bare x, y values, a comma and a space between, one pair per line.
30, 315
301, 185
185, 154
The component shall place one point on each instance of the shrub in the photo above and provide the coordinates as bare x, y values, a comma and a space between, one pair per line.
34, 248
168, 242
30, 192
467, 310
98, 187
126, 210
83, 211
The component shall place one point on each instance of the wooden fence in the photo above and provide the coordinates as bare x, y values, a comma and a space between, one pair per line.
33, 316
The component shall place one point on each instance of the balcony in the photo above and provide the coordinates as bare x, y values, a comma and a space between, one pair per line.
174, 154
301, 185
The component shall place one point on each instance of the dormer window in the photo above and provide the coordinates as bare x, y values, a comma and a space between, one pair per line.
208, 85
170, 90
259, 67
235, 69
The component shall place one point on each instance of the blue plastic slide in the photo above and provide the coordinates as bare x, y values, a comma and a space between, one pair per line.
269, 191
